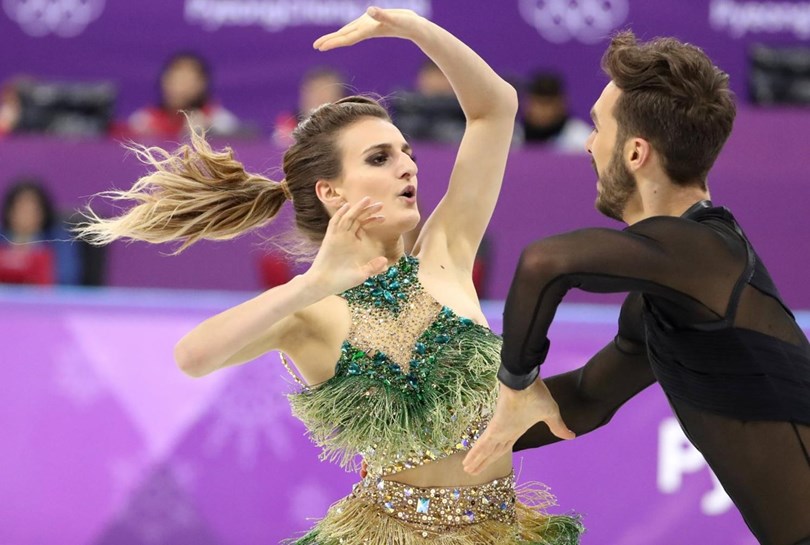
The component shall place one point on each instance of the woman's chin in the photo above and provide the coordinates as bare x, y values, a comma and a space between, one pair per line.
396, 228
402, 222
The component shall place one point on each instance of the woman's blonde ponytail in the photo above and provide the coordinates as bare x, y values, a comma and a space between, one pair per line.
191, 194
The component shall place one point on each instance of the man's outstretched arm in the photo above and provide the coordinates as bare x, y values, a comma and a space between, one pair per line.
576, 402
588, 397
597, 260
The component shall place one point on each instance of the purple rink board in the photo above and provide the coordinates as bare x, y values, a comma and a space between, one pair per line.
109, 444
259, 49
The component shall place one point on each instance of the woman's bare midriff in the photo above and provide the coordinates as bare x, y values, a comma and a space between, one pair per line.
450, 472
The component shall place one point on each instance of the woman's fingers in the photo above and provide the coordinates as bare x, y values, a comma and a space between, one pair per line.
345, 223
329, 41
345, 40
337, 217
376, 22
375, 266
371, 219
383, 16
361, 224
360, 210
347, 35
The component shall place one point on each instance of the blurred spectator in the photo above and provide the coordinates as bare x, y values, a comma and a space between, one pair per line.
10, 107
319, 86
431, 111
32, 248
185, 85
546, 119
431, 81
274, 270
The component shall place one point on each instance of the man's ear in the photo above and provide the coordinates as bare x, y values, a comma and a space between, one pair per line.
329, 194
638, 153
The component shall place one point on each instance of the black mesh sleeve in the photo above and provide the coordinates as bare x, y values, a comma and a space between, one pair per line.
658, 256
588, 397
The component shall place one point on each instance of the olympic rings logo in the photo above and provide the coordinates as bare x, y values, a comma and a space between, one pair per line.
587, 21
65, 18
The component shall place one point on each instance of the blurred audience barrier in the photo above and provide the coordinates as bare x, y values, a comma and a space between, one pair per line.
65, 108
431, 110
779, 75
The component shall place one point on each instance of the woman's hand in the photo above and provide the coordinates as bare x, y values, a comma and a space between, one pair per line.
374, 23
341, 262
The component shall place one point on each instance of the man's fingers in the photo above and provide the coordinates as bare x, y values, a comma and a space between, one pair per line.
479, 461
480, 452
558, 428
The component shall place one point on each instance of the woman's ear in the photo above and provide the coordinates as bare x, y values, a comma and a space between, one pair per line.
329, 194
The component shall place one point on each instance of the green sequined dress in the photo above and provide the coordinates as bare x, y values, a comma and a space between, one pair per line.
415, 383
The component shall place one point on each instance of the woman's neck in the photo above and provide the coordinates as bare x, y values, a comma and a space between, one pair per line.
392, 249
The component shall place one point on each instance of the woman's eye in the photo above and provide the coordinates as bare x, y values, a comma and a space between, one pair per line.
379, 159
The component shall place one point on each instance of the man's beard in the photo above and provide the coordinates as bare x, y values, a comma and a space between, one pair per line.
618, 185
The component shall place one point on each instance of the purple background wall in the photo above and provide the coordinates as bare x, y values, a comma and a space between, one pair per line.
260, 48
107, 443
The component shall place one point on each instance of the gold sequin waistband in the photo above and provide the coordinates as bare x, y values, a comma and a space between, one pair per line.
382, 463
441, 508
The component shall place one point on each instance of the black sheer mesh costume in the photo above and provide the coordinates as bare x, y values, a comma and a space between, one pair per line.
704, 319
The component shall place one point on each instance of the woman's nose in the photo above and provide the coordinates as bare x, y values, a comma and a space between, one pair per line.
408, 165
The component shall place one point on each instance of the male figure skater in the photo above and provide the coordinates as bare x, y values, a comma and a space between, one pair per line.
703, 317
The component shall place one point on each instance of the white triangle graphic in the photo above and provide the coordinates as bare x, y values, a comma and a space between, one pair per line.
132, 355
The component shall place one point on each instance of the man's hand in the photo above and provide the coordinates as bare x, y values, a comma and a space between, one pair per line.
515, 412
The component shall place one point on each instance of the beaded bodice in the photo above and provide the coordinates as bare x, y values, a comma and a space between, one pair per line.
397, 328
414, 381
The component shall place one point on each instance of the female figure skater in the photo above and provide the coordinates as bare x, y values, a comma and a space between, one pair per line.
415, 379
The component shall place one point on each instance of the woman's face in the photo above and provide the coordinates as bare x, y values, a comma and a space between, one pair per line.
26, 216
379, 163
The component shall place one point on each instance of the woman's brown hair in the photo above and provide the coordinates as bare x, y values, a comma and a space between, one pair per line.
197, 192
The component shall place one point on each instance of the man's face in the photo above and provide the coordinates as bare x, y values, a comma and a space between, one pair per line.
615, 183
